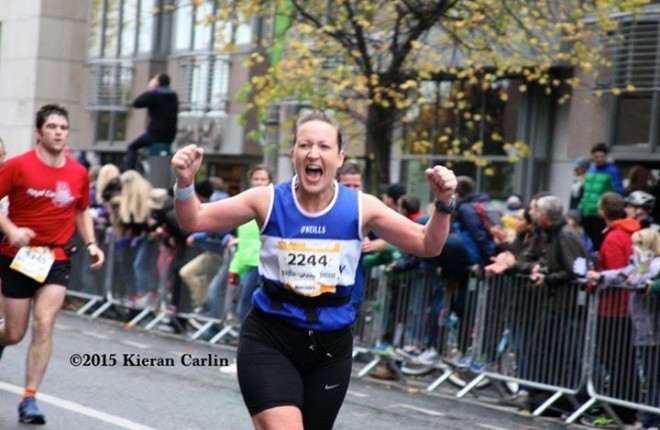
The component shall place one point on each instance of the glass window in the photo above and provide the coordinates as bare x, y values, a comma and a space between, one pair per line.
632, 82
243, 33
458, 116
111, 126
103, 126
111, 40
184, 27
633, 120
95, 29
203, 39
146, 20
129, 27
204, 82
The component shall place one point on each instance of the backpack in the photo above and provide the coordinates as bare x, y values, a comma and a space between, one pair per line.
468, 243
488, 214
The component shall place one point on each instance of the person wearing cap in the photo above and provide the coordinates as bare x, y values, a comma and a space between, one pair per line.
639, 206
580, 167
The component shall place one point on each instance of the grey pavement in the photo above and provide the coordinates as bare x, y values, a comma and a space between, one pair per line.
121, 395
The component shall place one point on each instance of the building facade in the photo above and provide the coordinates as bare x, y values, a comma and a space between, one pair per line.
96, 56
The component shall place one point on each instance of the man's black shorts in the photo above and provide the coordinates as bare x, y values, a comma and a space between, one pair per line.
16, 285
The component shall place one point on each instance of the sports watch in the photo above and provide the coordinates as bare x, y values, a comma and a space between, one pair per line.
446, 208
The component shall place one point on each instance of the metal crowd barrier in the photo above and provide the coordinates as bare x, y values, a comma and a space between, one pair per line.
623, 361
112, 288
542, 328
414, 324
503, 328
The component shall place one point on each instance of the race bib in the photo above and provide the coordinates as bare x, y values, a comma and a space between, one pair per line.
309, 268
33, 261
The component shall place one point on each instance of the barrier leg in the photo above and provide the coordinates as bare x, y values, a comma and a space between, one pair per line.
161, 316
369, 367
582, 409
139, 317
471, 385
228, 329
201, 330
447, 372
102, 309
88, 306
538, 411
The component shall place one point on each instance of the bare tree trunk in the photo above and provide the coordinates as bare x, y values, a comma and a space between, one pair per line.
380, 129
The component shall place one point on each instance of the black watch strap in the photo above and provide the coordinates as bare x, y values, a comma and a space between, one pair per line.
446, 208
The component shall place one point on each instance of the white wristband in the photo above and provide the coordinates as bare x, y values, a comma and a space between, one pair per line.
184, 193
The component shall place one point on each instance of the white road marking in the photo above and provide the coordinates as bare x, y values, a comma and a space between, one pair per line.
356, 394
96, 335
79, 409
135, 344
422, 410
487, 426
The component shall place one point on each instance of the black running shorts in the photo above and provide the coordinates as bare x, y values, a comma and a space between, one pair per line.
16, 285
279, 364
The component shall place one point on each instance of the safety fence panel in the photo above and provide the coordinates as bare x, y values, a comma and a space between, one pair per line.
140, 283
624, 354
533, 335
556, 339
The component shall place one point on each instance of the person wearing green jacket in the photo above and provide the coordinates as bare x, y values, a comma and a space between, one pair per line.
245, 264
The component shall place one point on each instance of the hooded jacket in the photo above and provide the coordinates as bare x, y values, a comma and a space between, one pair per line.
614, 253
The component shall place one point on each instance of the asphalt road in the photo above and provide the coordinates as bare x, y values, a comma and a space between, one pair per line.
104, 377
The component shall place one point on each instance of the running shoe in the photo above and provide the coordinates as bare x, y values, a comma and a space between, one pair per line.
382, 348
602, 422
477, 366
428, 356
29, 413
463, 362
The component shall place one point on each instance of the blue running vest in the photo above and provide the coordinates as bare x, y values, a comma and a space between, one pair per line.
311, 257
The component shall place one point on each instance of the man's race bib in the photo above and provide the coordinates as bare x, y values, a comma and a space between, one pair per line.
309, 268
33, 261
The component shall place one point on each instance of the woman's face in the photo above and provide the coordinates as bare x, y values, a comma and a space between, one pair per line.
316, 155
259, 178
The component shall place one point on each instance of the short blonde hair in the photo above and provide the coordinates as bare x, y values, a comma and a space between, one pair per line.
647, 238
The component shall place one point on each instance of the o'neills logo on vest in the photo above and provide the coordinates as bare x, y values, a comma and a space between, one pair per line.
312, 229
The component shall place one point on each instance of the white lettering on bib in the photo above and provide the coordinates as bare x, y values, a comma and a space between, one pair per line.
33, 261
309, 268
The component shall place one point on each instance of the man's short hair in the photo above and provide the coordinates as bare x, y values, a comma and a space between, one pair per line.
163, 80
204, 189
612, 205
409, 203
349, 168
47, 110
464, 185
600, 147
551, 206
395, 191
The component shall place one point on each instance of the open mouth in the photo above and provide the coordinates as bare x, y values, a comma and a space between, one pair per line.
314, 172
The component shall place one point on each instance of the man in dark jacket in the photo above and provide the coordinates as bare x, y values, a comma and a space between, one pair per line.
162, 104
549, 307
473, 230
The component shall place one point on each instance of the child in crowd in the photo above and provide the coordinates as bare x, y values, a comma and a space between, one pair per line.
644, 306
